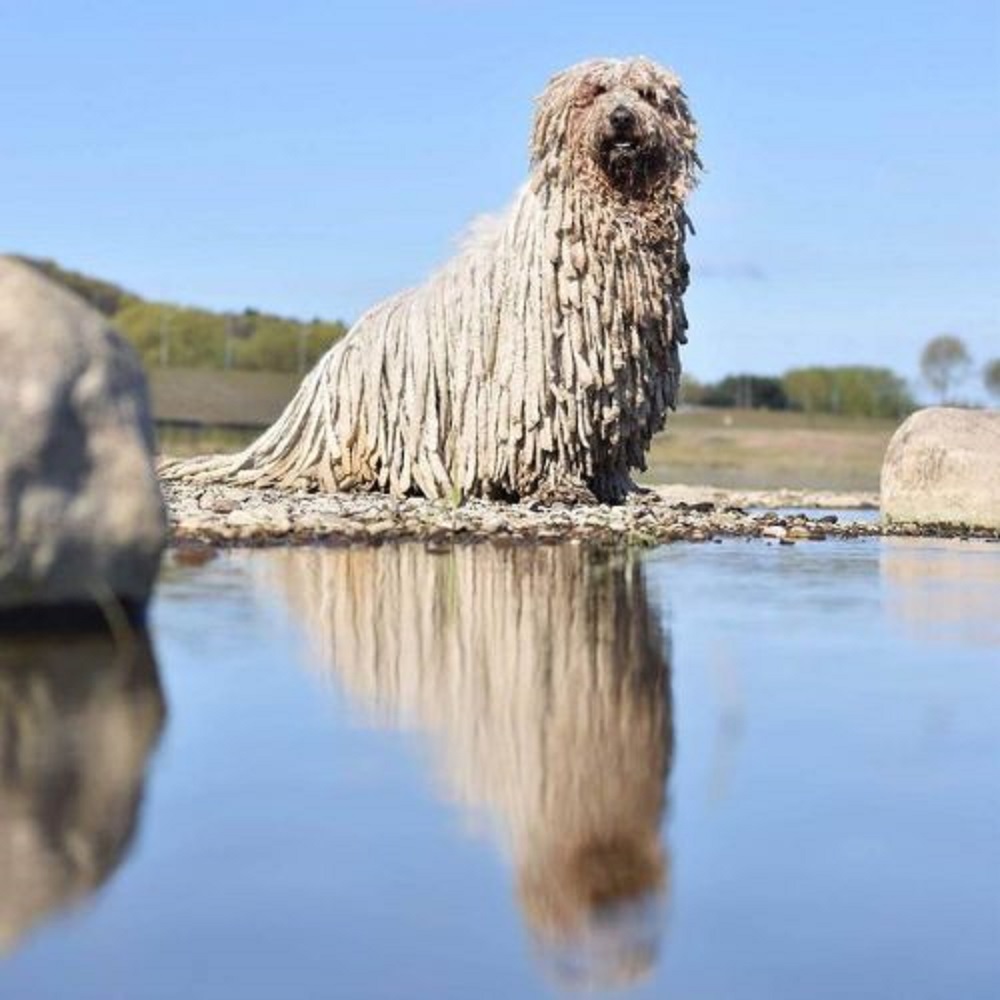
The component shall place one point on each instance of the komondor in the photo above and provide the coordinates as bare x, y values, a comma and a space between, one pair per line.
544, 356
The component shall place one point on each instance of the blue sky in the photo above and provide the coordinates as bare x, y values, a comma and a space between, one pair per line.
309, 158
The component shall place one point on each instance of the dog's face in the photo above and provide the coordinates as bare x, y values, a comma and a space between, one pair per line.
629, 118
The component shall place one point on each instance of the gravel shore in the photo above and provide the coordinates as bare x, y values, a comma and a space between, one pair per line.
222, 515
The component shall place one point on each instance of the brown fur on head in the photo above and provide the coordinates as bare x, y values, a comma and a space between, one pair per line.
621, 125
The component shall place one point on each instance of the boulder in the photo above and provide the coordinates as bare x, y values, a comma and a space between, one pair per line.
942, 466
82, 522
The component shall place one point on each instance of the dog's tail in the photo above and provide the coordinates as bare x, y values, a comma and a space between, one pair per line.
334, 436
289, 454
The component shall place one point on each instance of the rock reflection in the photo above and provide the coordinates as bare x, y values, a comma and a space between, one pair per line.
542, 677
79, 716
943, 589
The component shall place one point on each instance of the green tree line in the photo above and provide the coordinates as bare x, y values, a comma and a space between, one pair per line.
171, 335
853, 390
166, 334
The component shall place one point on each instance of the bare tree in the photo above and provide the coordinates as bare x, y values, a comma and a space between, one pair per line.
944, 363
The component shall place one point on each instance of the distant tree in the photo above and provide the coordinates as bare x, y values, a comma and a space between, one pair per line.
180, 336
746, 392
854, 390
692, 391
810, 389
991, 378
104, 296
944, 363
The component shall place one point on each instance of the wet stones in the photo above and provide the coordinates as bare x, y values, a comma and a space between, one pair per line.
272, 517
228, 516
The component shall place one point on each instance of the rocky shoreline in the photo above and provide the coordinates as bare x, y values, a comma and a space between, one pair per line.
230, 516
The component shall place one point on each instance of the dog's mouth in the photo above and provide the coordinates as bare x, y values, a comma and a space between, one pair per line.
622, 139
617, 150
620, 153
629, 162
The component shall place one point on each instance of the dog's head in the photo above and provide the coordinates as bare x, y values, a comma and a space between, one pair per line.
624, 122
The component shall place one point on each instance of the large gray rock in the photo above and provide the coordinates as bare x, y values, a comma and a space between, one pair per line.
81, 517
943, 467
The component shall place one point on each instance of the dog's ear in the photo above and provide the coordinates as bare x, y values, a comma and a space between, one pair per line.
551, 110
666, 86
675, 110
685, 130
572, 88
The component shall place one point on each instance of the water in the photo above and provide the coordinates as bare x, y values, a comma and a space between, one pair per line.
719, 771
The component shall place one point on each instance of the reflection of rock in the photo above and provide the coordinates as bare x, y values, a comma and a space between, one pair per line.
81, 518
78, 719
942, 466
943, 589
542, 676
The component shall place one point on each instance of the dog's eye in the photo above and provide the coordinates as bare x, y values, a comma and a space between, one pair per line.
648, 95
590, 94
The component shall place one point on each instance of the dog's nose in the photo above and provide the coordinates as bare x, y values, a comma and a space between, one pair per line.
622, 118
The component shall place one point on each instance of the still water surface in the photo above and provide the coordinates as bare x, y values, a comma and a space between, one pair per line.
718, 771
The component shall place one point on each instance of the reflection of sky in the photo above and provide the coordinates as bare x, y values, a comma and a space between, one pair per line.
315, 161
852, 849
832, 815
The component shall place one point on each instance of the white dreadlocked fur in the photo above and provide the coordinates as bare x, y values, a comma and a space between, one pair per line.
544, 356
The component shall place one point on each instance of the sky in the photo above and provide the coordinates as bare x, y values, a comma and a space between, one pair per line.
309, 158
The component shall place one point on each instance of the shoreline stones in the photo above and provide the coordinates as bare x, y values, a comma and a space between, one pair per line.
942, 467
228, 516
82, 523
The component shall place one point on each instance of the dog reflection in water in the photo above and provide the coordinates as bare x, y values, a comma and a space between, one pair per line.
79, 716
542, 678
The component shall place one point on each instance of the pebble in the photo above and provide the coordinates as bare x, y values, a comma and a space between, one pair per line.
220, 505
245, 518
194, 554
